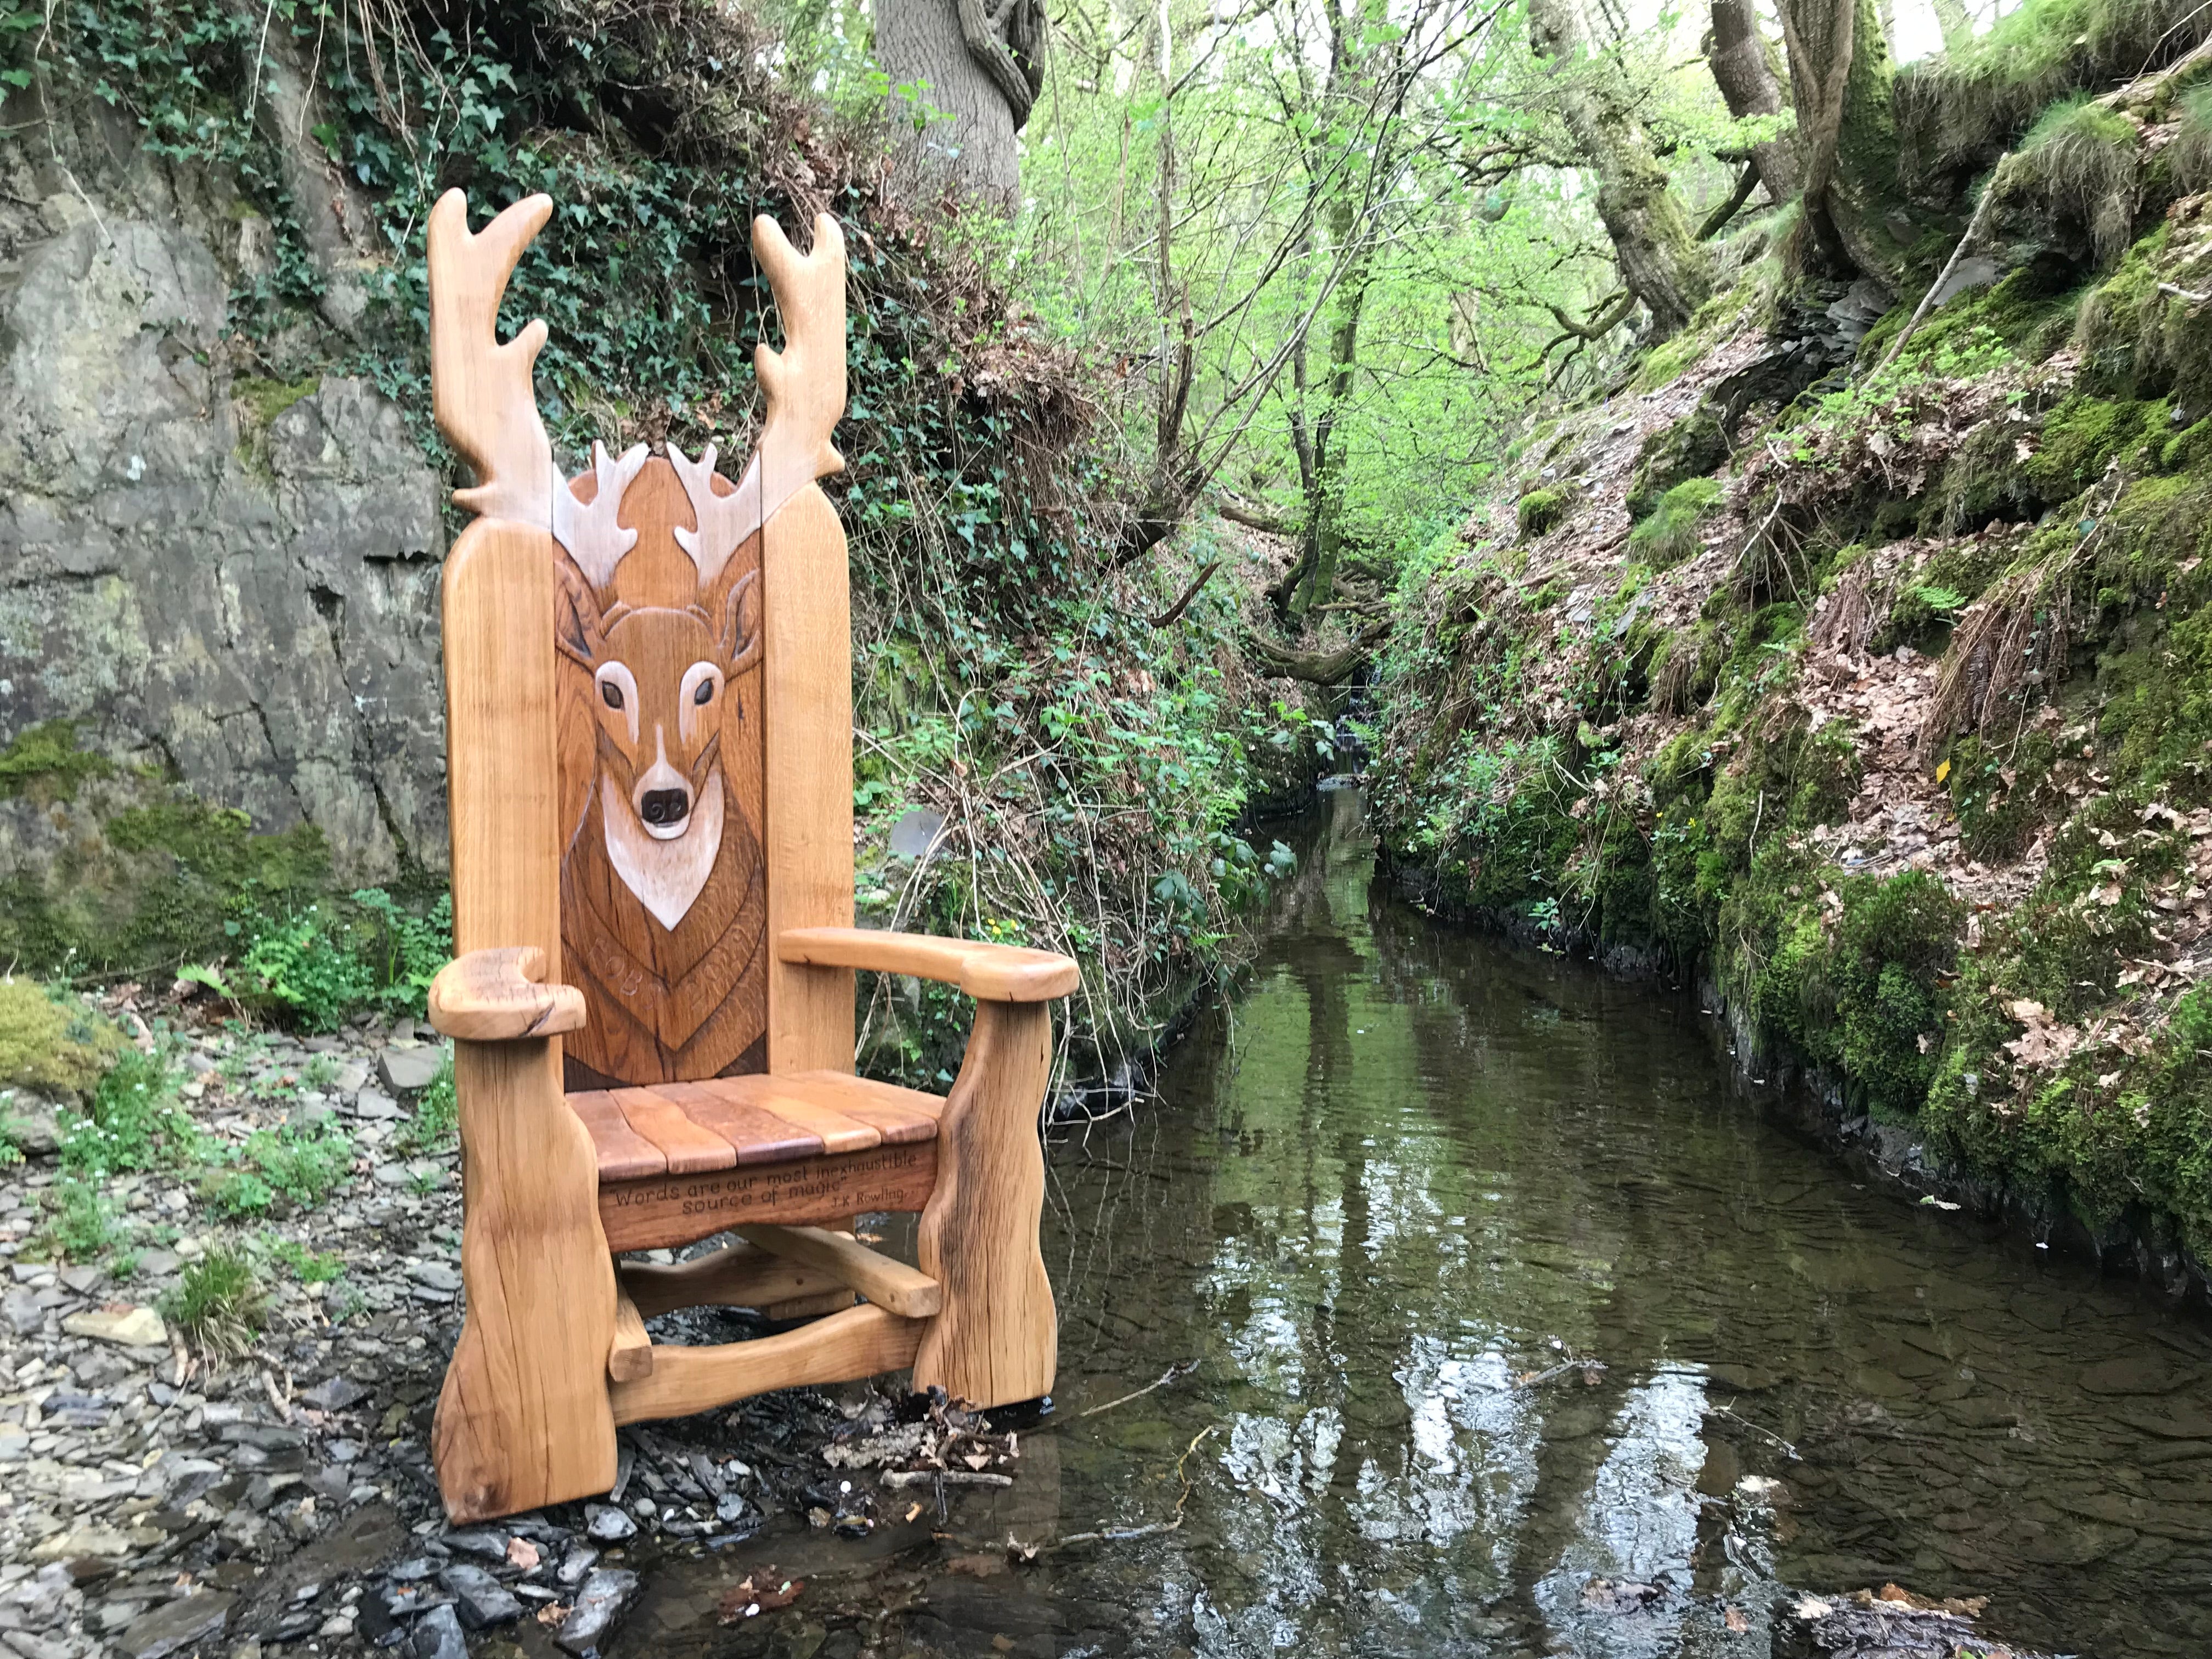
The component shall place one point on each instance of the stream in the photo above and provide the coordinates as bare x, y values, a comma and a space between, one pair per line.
1516, 1328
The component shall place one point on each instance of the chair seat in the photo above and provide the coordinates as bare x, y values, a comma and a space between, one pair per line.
685, 1129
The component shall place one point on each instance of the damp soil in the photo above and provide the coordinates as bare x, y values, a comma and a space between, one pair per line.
1505, 1319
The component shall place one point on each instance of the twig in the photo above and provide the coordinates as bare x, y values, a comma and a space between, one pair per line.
899, 1479
2180, 293
1989, 193
1789, 1450
1184, 1368
1167, 618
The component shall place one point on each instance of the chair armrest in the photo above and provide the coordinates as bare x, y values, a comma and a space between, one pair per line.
989, 973
493, 996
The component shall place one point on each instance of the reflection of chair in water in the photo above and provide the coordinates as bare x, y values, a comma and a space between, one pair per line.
650, 765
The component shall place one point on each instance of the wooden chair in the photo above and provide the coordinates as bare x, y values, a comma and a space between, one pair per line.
649, 737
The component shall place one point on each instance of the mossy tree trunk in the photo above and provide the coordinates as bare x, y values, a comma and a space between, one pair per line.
1653, 242
1841, 79
1737, 54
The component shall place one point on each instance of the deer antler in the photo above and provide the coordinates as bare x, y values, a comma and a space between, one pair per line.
590, 534
724, 522
805, 380
480, 389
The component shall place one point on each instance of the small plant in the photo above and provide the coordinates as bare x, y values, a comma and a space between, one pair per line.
1541, 512
301, 1166
435, 1125
320, 1072
81, 1224
309, 1266
208, 976
219, 1304
331, 961
133, 1121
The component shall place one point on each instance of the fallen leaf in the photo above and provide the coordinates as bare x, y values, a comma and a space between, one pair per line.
552, 1614
977, 1566
521, 1553
1734, 1619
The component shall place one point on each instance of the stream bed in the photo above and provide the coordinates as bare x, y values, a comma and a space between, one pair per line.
1514, 1327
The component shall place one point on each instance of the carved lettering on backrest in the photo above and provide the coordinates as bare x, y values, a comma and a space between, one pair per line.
664, 896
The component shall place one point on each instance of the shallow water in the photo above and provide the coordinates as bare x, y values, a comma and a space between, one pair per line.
1389, 1194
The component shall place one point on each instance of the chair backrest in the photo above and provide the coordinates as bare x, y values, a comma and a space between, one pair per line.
702, 704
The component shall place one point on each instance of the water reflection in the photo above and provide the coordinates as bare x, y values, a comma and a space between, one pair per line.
1396, 1197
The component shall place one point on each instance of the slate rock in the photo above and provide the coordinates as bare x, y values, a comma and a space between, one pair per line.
607, 1523
375, 1104
438, 1636
406, 1070
128, 1327
484, 1601
21, 1310
175, 1625
598, 1604
82, 1278
335, 1394
482, 1542
580, 1560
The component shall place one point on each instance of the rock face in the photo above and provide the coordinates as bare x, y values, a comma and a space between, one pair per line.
226, 580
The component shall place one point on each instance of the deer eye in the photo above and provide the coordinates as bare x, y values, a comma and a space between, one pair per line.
610, 694
705, 693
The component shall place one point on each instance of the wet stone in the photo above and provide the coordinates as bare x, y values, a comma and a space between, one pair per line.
481, 1542
335, 1394
598, 1603
438, 1636
482, 1600
580, 1560
607, 1523
174, 1626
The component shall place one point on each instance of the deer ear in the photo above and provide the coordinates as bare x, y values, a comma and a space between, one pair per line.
741, 624
579, 624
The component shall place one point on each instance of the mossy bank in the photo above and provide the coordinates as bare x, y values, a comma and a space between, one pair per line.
1881, 699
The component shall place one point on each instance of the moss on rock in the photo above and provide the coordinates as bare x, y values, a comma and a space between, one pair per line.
49, 1041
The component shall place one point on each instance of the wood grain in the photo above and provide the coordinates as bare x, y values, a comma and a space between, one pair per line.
735, 1276
624, 1154
997, 1340
858, 1342
987, 972
888, 1283
809, 775
490, 996
524, 1417
480, 388
687, 1146
760, 1137
631, 1356
667, 1210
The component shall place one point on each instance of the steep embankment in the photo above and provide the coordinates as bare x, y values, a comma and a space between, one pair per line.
1883, 699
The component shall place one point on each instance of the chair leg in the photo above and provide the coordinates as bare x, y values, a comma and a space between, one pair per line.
997, 1340
524, 1417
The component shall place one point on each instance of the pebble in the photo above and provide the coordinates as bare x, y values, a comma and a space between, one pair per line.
335, 1394
438, 1636
406, 1070
607, 1523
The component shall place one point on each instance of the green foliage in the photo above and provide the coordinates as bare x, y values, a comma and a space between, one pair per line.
298, 1167
1669, 535
335, 959
2085, 434
50, 1041
81, 1222
1541, 512
219, 1303
306, 1266
45, 763
133, 1122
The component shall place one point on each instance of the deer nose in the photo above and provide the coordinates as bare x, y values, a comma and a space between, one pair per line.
664, 805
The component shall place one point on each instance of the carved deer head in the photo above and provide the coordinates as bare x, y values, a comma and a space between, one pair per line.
662, 662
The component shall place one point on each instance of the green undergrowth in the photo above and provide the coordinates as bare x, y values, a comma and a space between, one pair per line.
1682, 793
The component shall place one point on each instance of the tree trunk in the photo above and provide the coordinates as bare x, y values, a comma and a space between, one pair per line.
1958, 28
1658, 254
1747, 79
1840, 78
948, 58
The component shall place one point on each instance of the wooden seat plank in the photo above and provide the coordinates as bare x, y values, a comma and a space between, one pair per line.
689, 1147
840, 1132
624, 1154
760, 1137
887, 1109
